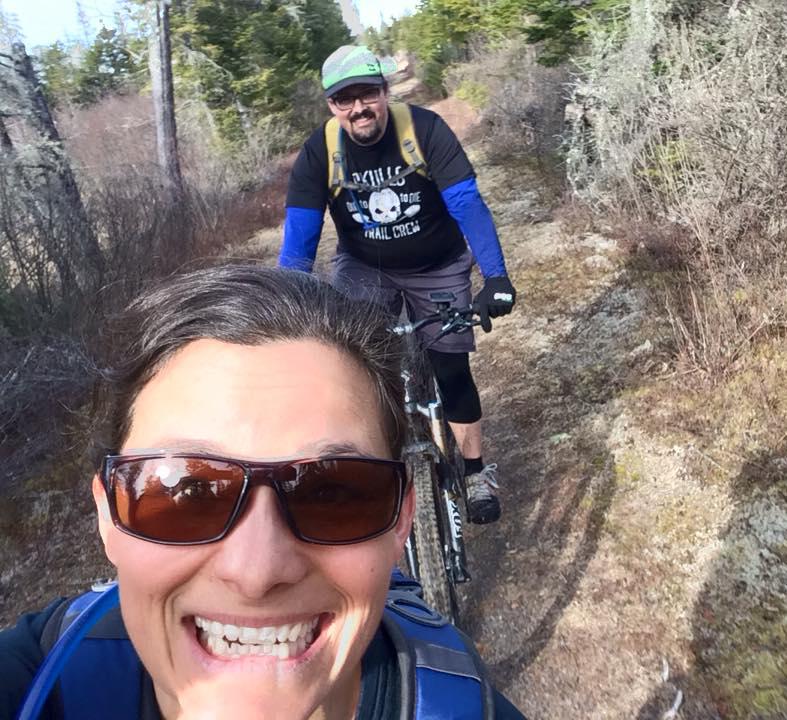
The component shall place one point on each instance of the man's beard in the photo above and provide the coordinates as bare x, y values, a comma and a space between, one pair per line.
368, 134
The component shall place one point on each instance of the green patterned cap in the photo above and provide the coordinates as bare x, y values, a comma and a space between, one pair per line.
353, 64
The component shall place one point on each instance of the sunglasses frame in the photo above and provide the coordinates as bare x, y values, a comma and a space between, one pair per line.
379, 90
255, 474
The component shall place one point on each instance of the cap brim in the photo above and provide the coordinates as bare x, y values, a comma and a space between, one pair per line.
360, 80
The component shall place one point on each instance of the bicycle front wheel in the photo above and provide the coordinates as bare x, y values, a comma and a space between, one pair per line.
432, 573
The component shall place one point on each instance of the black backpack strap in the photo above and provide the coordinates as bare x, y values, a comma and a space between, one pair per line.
51, 631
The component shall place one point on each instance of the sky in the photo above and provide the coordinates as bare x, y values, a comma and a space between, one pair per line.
44, 21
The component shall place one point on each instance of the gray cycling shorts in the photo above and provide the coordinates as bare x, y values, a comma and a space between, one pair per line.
394, 289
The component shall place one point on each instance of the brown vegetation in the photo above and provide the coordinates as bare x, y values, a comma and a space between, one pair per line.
682, 125
521, 103
49, 313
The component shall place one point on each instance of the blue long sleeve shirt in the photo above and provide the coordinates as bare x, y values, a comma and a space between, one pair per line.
303, 226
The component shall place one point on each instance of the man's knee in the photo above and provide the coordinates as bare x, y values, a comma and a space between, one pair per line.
461, 402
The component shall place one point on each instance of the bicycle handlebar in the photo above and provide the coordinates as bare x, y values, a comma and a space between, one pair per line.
454, 320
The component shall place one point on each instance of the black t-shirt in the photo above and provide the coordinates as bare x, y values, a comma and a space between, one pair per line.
407, 224
21, 655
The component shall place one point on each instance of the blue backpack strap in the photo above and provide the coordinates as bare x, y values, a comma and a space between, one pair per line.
441, 672
102, 678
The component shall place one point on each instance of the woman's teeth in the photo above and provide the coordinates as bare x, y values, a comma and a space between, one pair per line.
282, 641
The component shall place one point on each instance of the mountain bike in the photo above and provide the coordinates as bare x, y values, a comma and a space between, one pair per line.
435, 551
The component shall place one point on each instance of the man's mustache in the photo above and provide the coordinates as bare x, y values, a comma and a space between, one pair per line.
361, 115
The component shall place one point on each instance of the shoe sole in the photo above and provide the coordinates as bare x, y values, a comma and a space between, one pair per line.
484, 517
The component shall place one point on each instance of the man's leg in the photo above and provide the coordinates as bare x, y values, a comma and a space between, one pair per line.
469, 438
462, 407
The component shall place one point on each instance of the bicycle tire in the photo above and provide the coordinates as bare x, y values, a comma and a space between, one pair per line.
439, 592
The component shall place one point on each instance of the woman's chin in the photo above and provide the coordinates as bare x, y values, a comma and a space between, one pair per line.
218, 705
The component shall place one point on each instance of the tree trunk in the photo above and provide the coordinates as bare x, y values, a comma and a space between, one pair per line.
54, 157
44, 223
160, 61
5, 138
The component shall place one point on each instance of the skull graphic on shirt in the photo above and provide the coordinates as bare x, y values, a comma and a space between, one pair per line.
385, 207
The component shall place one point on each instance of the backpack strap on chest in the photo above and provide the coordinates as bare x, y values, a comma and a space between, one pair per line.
98, 671
408, 140
409, 148
441, 672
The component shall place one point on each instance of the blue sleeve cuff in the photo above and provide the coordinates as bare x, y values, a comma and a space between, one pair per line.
467, 207
302, 228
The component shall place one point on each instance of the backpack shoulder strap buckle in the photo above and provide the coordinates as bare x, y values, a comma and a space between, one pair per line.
412, 607
416, 161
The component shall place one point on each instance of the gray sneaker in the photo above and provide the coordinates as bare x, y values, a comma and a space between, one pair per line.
482, 503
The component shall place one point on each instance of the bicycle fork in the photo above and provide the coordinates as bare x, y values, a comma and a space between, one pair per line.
448, 490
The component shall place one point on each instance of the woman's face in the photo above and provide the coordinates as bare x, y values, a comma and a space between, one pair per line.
293, 399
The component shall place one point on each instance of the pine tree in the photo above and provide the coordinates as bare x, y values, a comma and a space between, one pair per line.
245, 59
57, 73
106, 67
325, 29
562, 25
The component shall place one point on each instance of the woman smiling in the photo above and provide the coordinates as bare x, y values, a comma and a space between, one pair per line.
250, 495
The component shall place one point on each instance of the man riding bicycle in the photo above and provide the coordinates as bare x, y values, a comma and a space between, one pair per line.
404, 200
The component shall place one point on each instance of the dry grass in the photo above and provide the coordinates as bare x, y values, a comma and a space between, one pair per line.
684, 125
521, 103
52, 301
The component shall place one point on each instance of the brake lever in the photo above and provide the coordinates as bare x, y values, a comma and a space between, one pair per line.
483, 320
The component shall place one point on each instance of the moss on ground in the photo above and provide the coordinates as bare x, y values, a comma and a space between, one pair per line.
745, 665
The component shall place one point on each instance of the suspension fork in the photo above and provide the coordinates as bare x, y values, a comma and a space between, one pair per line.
448, 486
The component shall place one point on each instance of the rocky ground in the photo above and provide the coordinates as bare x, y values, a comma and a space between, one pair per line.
639, 568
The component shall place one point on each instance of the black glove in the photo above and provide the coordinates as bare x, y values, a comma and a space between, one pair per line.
495, 299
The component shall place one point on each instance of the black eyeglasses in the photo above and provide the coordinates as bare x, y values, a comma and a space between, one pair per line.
188, 499
345, 101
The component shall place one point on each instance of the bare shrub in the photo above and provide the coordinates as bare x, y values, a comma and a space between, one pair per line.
522, 103
213, 168
112, 135
48, 321
51, 301
116, 138
47, 377
686, 123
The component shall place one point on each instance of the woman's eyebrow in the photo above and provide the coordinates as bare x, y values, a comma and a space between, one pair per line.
339, 449
188, 445
207, 447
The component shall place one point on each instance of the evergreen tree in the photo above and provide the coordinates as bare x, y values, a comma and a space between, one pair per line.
325, 29
57, 74
246, 58
106, 67
503, 18
562, 25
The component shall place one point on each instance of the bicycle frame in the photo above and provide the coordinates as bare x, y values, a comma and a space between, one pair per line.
437, 447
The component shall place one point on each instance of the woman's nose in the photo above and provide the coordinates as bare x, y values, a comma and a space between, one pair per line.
260, 552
